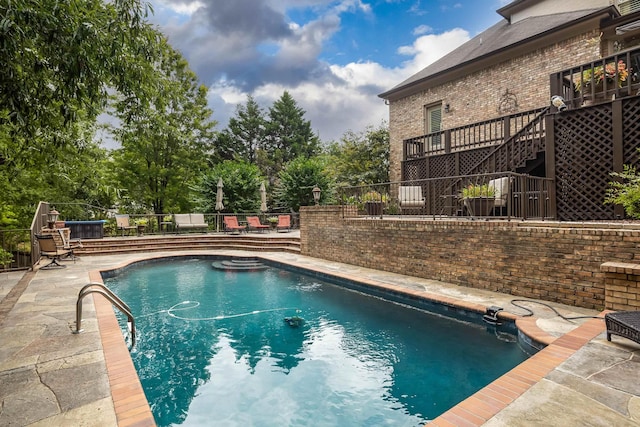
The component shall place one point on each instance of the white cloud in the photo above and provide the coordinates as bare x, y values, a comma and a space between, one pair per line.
346, 98
263, 53
422, 29
429, 48
187, 8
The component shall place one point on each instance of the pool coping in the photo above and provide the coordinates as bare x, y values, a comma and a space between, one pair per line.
132, 408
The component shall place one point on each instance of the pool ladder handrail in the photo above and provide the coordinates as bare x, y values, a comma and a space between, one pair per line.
112, 298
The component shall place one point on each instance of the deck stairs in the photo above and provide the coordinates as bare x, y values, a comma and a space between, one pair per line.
519, 153
272, 242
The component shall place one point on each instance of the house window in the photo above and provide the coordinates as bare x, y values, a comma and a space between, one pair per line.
433, 124
628, 6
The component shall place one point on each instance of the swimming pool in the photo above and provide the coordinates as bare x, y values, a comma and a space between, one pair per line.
356, 360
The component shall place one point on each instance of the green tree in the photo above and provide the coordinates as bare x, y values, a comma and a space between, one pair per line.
245, 133
289, 136
626, 191
61, 57
165, 143
297, 180
241, 187
59, 62
361, 158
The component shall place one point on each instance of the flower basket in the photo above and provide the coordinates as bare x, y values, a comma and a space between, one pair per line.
591, 83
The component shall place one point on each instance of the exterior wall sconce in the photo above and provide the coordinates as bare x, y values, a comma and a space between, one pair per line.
316, 194
52, 217
447, 108
558, 102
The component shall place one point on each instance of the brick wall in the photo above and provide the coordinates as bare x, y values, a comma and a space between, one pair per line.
545, 260
477, 96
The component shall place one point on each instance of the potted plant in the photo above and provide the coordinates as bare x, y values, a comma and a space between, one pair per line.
142, 224
273, 221
479, 199
374, 202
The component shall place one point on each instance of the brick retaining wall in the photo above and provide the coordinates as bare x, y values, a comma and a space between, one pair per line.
552, 261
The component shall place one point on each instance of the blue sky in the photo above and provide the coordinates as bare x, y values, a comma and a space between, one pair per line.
333, 56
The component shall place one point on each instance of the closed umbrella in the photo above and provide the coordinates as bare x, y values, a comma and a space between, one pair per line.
219, 205
263, 198
219, 195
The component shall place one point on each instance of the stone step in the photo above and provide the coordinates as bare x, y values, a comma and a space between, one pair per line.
188, 242
239, 265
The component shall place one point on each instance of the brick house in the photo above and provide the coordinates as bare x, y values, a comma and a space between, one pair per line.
449, 118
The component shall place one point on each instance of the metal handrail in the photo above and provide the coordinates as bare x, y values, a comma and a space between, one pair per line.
112, 298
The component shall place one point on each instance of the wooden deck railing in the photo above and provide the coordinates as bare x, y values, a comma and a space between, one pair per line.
608, 78
524, 197
476, 135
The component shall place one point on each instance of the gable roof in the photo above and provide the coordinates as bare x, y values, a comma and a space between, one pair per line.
501, 37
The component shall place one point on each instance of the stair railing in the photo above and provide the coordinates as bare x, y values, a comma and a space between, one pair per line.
99, 288
533, 133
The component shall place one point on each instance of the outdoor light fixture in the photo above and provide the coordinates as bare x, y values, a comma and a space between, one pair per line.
316, 194
447, 108
558, 102
52, 217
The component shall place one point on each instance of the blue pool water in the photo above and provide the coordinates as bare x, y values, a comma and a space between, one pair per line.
214, 350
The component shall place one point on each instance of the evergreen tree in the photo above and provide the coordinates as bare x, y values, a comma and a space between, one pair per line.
298, 178
289, 136
241, 189
245, 134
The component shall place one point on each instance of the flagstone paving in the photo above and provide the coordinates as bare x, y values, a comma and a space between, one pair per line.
51, 377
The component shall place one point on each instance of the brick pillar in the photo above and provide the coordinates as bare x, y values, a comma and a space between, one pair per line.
622, 286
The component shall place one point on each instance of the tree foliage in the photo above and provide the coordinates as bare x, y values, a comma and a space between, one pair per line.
626, 191
245, 133
297, 180
361, 158
165, 142
289, 136
59, 61
60, 58
241, 189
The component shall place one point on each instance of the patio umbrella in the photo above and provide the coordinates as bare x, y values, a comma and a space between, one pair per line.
263, 198
219, 205
219, 195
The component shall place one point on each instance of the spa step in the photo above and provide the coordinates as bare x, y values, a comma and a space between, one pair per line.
239, 265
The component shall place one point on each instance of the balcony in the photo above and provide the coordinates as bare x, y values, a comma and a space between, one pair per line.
604, 80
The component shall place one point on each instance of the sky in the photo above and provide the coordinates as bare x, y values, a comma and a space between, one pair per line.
333, 56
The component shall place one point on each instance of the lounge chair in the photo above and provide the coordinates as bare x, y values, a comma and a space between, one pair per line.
122, 223
231, 224
68, 243
50, 249
254, 224
284, 223
623, 323
410, 197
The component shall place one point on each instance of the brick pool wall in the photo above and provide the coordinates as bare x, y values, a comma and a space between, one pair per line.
551, 261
